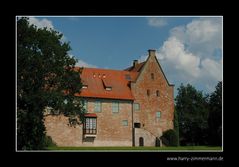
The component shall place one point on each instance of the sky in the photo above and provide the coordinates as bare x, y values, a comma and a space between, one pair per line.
189, 49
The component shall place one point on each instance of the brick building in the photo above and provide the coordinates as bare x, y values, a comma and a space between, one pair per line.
130, 107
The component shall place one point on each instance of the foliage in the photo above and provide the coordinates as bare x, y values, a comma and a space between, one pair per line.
176, 126
49, 142
169, 138
45, 78
215, 116
193, 111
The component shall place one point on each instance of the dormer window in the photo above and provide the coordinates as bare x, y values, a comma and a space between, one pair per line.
84, 86
108, 88
106, 85
127, 77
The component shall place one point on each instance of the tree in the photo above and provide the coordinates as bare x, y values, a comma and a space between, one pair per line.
169, 138
215, 116
192, 110
176, 127
46, 77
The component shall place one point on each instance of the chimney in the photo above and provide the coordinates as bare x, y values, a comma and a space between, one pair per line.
135, 63
152, 52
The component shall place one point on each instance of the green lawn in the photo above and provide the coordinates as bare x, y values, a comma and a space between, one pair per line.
185, 148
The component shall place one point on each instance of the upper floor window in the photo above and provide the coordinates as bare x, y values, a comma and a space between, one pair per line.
115, 106
158, 114
97, 107
152, 76
85, 104
157, 93
148, 92
136, 106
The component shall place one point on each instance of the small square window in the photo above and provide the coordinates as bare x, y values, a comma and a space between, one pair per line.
125, 122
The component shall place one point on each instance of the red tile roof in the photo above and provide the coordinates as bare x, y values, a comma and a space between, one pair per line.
98, 79
136, 68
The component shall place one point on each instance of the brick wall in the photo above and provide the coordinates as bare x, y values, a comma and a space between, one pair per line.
110, 130
149, 105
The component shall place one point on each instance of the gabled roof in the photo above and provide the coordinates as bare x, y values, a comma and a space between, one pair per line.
140, 66
98, 79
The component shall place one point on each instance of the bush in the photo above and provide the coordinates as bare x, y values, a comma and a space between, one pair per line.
169, 138
49, 142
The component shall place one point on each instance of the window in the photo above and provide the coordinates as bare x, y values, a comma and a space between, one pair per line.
127, 77
125, 122
107, 84
115, 107
108, 88
148, 92
84, 86
157, 93
97, 106
137, 125
158, 114
90, 125
85, 104
136, 106
152, 76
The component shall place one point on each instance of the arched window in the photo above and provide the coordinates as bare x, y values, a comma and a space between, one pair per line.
148, 92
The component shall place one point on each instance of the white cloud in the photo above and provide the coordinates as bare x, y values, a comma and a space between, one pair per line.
212, 68
41, 23
188, 55
201, 36
157, 21
174, 54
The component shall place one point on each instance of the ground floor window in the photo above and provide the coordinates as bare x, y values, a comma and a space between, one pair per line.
90, 125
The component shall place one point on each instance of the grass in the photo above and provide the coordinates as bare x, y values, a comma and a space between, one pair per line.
183, 148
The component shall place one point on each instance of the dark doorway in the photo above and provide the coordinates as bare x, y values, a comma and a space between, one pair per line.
141, 141
137, 125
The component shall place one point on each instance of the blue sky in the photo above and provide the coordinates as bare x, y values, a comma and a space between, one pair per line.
188, 48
